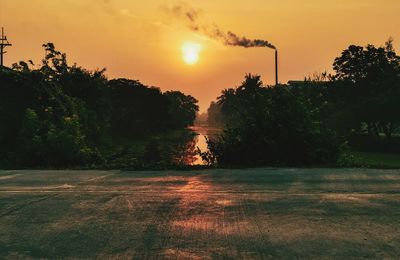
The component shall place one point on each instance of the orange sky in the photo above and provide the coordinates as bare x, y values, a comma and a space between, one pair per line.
138, 40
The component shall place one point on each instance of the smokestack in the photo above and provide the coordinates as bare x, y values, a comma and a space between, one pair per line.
276, 68
228, 38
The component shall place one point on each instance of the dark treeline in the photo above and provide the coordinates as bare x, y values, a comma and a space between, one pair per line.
57, 115
315, 121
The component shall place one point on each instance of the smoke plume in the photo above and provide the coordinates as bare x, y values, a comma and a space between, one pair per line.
191, 16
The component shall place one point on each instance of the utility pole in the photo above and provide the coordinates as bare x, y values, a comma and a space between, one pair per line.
3, 44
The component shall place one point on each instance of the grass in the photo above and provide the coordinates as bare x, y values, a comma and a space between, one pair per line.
164, 150
378, 160
247, 213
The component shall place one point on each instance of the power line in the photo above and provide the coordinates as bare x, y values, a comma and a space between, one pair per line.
3, 44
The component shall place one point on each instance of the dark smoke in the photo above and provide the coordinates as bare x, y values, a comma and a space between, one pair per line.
229, 38
235, 40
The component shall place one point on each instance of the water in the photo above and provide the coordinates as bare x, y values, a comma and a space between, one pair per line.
203, 132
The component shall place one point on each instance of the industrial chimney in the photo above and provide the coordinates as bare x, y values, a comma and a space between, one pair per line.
276, 68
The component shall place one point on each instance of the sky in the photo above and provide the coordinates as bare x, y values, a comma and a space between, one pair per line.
143, 40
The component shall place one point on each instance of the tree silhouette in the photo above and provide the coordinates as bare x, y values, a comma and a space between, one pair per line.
182, 109
271, 126
375, 77
56, 114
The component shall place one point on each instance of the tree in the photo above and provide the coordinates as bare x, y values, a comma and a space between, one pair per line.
232, 99
215, 116
375, 77
56, 114
273, 126
182, 109
367, 65
137, 110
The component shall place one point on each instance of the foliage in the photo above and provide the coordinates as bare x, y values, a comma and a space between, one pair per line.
57, 115
215, 116
358, 104
60, 115
136, 109
374, 76
272, 126
182, 109
210, 157
62, 145
367, 64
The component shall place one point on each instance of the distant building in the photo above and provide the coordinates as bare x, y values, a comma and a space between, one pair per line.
295, 82
298, 83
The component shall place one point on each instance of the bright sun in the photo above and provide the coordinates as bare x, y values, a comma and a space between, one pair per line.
190, 53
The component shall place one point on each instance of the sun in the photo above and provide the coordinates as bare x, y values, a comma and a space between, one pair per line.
191, 53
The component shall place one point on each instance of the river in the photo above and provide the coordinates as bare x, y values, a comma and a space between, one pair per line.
203, 132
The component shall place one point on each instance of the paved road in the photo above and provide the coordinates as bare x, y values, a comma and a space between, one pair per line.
248, 214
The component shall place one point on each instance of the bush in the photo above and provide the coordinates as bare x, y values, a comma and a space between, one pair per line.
57, 115
44, 143
273, 126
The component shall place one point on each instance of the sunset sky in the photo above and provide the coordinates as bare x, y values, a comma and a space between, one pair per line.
141, 40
